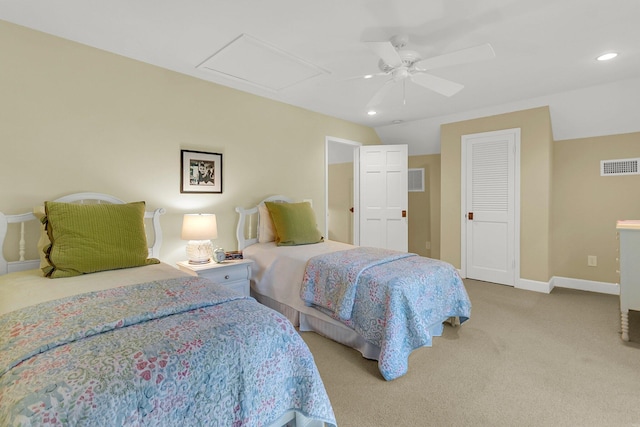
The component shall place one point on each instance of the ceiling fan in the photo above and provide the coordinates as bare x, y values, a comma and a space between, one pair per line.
402, 64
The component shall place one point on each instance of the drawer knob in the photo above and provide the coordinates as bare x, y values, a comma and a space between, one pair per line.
226, 277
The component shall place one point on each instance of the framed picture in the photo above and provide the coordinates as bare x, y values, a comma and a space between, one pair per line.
201, 172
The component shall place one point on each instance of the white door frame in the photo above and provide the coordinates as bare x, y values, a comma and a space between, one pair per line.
464, 208
356, 185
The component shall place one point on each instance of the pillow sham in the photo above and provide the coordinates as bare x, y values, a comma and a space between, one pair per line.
266, 231
90, 238
294, 223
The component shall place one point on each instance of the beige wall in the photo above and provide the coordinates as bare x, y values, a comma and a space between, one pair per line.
74, 118
568, 211
340, 200
535, 186
424, 208
586, 205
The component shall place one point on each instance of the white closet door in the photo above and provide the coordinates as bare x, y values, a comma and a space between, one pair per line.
490, 205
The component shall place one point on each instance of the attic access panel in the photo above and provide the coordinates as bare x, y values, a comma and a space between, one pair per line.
249, 60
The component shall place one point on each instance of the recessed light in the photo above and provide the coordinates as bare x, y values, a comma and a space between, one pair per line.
372, 113
607, 56
395, 122
368, 76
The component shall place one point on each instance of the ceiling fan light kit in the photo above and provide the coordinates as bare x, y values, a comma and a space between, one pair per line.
401, 64
607, 56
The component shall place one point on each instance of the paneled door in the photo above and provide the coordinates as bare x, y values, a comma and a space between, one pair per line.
383, 176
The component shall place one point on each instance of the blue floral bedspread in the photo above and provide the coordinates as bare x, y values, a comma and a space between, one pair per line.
174, 352
395, 300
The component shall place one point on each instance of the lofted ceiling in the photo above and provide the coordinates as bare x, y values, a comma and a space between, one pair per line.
307, 53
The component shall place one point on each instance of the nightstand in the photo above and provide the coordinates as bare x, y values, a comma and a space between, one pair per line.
232, 274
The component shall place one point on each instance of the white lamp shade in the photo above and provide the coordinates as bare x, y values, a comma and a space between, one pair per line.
199, 227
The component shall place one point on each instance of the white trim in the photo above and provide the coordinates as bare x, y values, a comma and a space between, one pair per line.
356, 197
356, 184
585, 285
564, 282
534, 285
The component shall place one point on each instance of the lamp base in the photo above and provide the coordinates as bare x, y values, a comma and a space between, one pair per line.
199, 251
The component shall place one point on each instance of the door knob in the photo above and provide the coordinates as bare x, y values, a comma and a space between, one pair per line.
470, 216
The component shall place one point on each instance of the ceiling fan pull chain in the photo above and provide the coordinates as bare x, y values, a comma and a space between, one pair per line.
404, 92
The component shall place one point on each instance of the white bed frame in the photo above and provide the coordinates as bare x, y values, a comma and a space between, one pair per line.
247, 235
247, 230
83, 198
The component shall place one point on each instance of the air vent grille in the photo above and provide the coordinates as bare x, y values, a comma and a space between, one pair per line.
416, 179
619, 167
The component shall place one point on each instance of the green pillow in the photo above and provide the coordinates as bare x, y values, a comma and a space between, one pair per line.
295, 223
91, 238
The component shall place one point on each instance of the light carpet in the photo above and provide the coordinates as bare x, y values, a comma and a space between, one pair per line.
523, 359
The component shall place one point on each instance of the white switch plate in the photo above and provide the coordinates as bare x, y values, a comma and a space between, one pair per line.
592, 261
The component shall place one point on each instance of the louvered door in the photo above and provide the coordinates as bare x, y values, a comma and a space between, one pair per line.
490, 204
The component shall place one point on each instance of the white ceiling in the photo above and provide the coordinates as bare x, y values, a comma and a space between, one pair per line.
542, 47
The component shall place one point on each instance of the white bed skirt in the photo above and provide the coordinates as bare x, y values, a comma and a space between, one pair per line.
322, 324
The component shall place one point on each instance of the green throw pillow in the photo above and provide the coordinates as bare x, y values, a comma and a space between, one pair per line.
91, 238
295, 223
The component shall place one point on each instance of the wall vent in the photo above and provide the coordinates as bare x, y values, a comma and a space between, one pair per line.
416, 179
619, 167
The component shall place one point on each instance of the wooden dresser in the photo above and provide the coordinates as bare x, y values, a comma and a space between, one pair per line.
629, 257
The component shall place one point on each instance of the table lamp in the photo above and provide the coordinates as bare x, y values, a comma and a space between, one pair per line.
199, 229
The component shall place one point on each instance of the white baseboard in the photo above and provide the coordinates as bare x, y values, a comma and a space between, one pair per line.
585, 285
569, 283
534, 285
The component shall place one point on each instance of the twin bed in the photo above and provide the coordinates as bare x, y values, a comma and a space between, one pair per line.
383, 303
113, 339
97, 331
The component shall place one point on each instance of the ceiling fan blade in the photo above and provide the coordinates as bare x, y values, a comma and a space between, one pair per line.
464, 56
381, 93
437, 84
387, 52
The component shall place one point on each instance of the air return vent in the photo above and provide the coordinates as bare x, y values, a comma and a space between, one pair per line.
416, 179
619, 167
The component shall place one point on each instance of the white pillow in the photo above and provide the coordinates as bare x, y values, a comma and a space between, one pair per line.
266, 230
43, 242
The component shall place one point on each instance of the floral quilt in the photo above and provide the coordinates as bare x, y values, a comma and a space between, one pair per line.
181, 351
396, 301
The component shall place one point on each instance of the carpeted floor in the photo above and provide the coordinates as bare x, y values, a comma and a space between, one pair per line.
523, 359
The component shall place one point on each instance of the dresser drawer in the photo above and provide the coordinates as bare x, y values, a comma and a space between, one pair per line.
227, 274
242, 287
231, 274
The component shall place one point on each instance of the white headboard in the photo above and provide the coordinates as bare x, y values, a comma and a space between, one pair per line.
249, 221
21, 219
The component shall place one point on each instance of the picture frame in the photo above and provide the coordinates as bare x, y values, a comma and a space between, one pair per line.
200, 172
